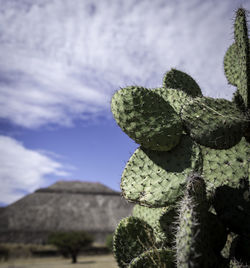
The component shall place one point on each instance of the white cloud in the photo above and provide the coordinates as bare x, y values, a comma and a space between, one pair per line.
61, 60
23, 170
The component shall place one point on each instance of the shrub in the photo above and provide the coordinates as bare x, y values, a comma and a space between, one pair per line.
70, 243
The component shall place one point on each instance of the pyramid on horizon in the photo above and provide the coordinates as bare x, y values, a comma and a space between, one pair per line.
63, 206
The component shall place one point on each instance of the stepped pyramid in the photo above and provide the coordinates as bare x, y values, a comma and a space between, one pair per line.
64, 206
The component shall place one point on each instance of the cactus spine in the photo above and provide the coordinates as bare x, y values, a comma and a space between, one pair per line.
190, 175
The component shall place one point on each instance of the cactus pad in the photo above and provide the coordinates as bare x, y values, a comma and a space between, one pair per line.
182, 81
231, 65
132, 237
154, 258
226, 167
160, 219
215, 123
176, 98
243, 55
157, 179
146, 118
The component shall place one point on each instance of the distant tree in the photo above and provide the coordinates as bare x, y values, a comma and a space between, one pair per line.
70, 243
4, 253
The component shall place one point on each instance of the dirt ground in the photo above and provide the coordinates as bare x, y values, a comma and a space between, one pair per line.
100, 261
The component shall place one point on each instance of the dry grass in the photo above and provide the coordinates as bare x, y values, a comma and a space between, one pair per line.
96, 261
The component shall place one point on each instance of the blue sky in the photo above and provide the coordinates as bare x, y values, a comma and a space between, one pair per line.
60, 63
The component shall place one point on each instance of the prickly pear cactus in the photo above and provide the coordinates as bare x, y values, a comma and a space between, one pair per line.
189, 177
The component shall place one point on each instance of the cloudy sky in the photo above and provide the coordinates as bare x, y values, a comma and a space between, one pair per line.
60, 63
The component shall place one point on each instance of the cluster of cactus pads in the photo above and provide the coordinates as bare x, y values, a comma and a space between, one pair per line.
190, 176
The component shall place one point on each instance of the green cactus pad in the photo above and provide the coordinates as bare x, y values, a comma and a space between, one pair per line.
231, 65
156, 179
132, 237
215, 123
176, 98
226, 167
160, 219
154, 258
146, 118
182, 81
243, 55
